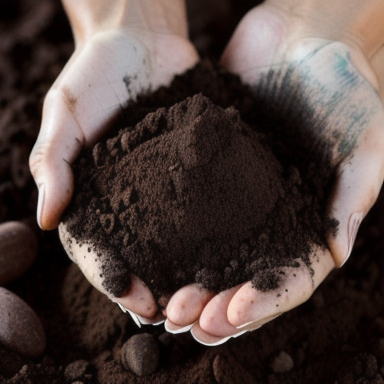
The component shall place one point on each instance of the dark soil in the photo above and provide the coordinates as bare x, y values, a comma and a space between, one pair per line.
195, 195
337, 336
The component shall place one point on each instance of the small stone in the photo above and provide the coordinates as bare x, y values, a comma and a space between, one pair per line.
76, 370
18, 250
20, 329
141, 354
282, 363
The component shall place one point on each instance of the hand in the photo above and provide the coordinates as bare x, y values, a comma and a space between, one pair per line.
122, 49
120, 52
341, 81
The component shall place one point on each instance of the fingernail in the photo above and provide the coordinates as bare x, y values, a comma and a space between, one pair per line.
213, 344
219, 341
40, 204
175, 331
156, 321
353, 226
255, 324
133, 315
239, 334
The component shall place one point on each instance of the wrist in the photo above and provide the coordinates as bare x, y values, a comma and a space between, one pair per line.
89, 17
357, 23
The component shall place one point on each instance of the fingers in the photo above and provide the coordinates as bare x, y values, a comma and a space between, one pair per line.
157, 319
213, 319
195, 309
78, 109
59, 142
357, 186
254, 44
138, 298
205, 338
243, 308
249, 308
185, 307
100, 77
213, 327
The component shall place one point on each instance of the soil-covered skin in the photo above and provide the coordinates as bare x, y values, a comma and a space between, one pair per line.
337, 336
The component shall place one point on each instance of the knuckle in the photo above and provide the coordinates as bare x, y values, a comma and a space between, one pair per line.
38, 157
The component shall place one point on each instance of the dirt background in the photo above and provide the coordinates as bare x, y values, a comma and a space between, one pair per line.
336, 337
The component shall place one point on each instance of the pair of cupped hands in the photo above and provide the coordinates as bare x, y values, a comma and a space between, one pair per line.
335, 50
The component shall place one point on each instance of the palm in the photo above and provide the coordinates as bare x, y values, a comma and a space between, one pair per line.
348, 114
103, 73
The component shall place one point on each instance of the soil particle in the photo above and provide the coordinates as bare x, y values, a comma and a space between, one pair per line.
282, 363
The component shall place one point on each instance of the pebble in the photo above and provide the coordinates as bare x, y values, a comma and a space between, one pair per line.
20, 329
77, 370
141, 354
18, 250
282, 363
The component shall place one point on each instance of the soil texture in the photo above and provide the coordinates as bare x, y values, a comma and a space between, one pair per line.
335, 337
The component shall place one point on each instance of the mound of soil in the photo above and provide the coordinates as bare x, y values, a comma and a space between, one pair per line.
336, 337
192, 194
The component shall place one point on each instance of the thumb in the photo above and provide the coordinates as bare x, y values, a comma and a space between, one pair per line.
254, 44
77, 109
357, 188
58, 144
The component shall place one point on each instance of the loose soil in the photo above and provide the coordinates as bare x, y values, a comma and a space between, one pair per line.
337, 336
192, 194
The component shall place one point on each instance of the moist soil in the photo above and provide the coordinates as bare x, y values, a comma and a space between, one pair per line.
337, 336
